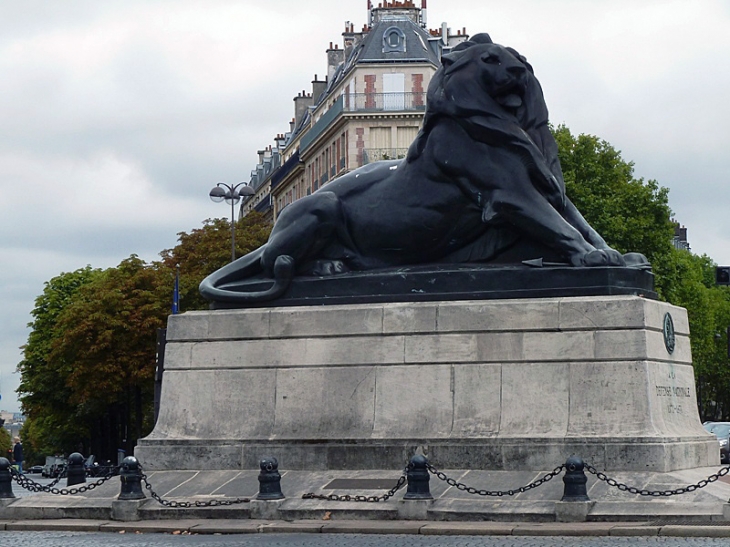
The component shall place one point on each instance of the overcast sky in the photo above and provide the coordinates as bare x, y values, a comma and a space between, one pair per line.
117, 117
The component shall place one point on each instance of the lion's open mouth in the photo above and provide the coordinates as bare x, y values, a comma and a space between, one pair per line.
511, 100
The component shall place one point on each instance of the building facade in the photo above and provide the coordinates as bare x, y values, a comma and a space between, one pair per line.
368, 107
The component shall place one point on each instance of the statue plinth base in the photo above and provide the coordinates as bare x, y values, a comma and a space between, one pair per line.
433, 283
516, 384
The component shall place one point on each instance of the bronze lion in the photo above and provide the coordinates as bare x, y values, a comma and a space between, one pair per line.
480, 183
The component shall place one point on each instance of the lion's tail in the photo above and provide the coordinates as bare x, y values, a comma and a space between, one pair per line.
247, 266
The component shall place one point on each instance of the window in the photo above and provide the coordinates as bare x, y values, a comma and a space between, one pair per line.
394, 87
394, 40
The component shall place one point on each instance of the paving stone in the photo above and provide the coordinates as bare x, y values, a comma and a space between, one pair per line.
372, 527
75, 525
467, 529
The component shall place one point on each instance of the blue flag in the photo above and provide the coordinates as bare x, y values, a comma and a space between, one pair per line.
176, 292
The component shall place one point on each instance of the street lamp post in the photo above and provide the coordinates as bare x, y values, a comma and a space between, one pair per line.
231, 194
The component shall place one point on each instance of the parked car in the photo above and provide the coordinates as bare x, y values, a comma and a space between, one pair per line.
721, 430
35, 469
54, 467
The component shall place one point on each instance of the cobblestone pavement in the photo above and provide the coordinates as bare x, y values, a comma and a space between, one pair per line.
83, 539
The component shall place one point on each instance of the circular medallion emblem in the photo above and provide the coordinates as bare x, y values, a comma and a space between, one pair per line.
669, 339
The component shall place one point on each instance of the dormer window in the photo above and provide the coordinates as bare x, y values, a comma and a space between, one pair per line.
394, 40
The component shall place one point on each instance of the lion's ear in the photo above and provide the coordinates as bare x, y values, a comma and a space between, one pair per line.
448, 60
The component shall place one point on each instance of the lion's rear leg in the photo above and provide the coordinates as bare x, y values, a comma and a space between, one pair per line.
303, 229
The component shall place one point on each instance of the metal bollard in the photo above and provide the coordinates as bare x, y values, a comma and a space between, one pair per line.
76, 471
418, 478
131, 476
6, 480
575, 480
269, 480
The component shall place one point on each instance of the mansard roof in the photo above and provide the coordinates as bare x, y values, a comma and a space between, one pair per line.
396, 40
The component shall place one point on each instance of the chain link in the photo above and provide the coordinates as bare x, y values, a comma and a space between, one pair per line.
497, 493
32, 486
657, 493
173, 503
369, 499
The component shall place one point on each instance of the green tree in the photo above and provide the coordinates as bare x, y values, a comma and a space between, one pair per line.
108, 347
631, 214
206, 249
88, 367
634, 215
43, 394
6, 443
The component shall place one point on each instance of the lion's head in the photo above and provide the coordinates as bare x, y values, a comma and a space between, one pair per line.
482, 72
492, 89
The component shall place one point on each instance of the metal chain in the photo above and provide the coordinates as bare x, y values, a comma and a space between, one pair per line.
173, 503
371, 499
32, 486
657, 493
497, 493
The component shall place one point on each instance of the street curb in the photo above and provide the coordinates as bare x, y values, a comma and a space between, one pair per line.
226, 526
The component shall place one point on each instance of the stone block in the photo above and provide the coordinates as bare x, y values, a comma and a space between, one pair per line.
410, 318
266, 509
499, 347
297, 322
230, 325
187, 326
178, 355
603, 399
655, 312
450, 348
610, 312
535, 399
413, 509
126, 510
499, 315
572, 511
413, 402
218, 404
477, 412
558, 346
325, 403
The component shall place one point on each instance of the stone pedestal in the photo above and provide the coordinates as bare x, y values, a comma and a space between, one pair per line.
503, 384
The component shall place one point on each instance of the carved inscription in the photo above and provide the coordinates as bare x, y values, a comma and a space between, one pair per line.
668, 391
674, 391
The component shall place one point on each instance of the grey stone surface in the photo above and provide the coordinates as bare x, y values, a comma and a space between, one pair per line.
515, 384
126, 510
573, 511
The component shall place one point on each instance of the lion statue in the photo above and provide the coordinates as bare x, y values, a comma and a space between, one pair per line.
480, 183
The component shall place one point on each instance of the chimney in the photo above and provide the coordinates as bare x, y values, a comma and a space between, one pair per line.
301, 103
335, 57
318, 87
444, 34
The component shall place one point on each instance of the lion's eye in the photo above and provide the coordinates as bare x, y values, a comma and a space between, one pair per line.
492, 60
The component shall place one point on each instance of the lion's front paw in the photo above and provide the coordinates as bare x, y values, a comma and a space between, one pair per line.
637, 260
602, 257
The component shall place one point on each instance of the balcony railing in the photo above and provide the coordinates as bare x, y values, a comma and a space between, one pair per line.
358, 102
370, 155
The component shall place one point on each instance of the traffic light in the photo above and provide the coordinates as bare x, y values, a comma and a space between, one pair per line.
722, 275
